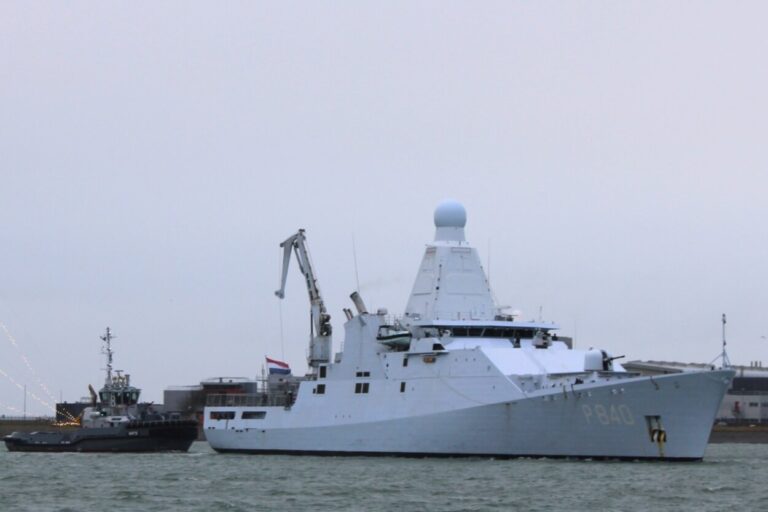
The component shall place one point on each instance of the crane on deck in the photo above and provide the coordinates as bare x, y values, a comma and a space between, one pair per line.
320, 325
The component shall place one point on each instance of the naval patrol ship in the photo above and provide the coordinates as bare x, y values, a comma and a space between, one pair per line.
457, 376
115, 422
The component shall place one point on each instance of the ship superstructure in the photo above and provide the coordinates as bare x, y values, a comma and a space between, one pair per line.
456, 376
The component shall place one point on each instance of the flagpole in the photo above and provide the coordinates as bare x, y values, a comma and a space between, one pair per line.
726, 361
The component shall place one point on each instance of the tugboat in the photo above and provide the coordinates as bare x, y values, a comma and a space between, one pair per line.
115, 422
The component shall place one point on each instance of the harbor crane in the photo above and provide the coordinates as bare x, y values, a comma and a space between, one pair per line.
320, 320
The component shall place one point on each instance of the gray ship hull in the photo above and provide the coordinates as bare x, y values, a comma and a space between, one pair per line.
138, 436
621, 420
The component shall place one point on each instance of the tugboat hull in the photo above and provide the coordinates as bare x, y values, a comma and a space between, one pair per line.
134, 437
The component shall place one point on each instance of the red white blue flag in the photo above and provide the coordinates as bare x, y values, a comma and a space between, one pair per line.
278, 367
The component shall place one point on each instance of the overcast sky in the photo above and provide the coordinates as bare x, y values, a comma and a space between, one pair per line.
611, 157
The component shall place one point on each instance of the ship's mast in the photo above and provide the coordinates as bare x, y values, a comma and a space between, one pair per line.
107, 338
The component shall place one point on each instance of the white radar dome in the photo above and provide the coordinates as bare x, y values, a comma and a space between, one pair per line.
450, 214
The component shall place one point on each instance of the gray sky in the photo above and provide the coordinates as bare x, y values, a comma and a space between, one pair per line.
611, 157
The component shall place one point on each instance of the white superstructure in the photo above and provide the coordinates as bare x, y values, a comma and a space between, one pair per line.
456, 376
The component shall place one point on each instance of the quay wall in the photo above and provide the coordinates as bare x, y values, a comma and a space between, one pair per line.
755, 434
19, 424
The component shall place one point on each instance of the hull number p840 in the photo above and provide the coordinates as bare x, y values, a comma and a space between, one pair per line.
608, 415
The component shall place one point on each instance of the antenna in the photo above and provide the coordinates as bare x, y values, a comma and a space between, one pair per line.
724, 356
575, 331
354, 257
488, 263
282, 343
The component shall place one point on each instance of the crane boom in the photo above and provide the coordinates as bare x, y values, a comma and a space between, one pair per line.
320, 326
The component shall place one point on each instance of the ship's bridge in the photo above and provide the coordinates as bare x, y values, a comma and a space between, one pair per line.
515, 334
488, 328
118, 391
120, 396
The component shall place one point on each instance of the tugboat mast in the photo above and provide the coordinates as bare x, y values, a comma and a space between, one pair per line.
107, 338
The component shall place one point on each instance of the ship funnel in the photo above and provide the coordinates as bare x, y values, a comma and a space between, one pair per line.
359, 304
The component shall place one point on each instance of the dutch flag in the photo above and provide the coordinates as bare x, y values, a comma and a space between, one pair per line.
278, 367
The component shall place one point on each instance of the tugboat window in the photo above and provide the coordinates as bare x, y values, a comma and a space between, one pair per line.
254, 415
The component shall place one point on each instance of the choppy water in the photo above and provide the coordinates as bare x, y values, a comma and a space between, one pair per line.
201, 480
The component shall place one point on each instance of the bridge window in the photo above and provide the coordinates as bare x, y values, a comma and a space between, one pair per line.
222, 415
361, 387
489, 332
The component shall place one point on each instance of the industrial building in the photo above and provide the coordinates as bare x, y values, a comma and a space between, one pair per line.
189, 401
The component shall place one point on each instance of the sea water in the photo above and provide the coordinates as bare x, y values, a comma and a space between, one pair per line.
732, 477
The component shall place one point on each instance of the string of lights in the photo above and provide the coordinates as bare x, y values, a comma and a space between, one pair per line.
25, 359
